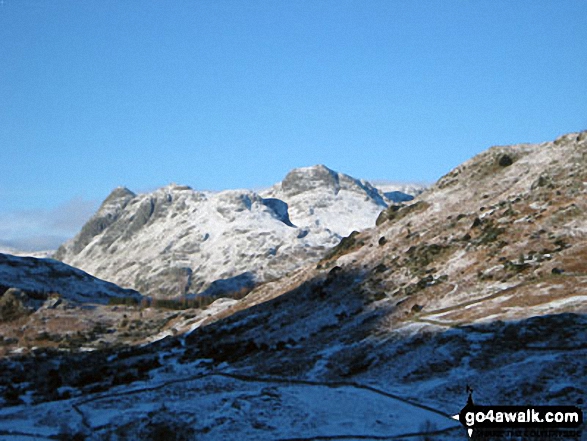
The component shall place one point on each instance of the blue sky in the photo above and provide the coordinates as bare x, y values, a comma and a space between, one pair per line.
224, 94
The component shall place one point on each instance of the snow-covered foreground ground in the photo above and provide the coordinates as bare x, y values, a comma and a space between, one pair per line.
222, 407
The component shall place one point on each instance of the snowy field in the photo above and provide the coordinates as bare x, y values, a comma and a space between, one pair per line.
221, 407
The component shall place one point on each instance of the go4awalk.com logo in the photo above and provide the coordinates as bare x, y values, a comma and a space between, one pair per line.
537, 422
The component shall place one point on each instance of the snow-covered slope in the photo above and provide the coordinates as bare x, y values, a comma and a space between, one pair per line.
178, 241
40, 278
481, 281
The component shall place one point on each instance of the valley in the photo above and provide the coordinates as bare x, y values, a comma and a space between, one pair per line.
332, 311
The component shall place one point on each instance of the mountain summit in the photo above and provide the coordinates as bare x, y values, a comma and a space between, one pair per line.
176, 240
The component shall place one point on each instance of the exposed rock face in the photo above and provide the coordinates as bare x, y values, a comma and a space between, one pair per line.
178, 241
109, 213
312, 178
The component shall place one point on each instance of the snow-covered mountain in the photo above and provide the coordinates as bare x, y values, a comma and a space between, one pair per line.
399, 192
478, 282
40, 278
177, 241
321, 199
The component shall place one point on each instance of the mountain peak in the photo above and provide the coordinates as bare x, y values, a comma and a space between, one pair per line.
119, 193
304, 179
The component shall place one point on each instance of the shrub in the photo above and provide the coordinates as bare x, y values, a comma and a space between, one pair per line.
505, 161
13, 305
126, 301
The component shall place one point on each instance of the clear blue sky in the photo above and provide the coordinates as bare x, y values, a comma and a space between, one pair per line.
222, 94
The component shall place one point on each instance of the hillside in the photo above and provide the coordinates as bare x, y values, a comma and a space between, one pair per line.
43, 277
